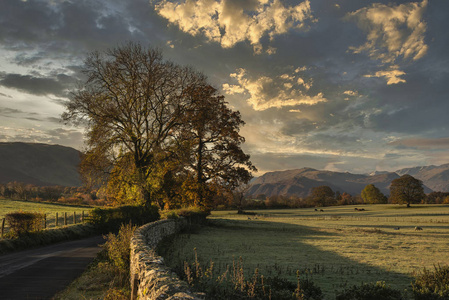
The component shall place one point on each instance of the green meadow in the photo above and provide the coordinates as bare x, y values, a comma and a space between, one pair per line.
50, 209
336, 248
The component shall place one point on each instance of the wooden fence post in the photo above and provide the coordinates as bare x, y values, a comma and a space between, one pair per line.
82, 217
56, 220
65, 219
74, 217
45, 221
3, 226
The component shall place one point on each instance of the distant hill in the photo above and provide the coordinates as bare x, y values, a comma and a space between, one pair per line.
300, 182
39, 164
435, 177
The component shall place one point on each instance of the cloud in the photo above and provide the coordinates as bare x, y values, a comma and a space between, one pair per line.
229, 22
392, 31
57, 85
5, 95
61, 136
272, 92
9, 112
422, 143
392, 75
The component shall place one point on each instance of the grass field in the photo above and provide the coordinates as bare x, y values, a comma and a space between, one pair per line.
337, 248
50, 209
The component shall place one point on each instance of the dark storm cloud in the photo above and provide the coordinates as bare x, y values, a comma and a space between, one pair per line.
37, 85
39, 30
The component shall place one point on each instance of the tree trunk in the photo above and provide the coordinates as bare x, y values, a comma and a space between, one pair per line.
199, 174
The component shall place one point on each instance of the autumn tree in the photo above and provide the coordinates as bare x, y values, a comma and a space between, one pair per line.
131, 103
210, 131
155, 130
371, 194
406, 189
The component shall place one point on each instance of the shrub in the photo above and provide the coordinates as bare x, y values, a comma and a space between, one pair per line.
112, 218
432, 285
193, 215
118, 247
21, 222
370, 291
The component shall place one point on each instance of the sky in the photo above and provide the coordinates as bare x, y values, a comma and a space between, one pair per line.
340, 85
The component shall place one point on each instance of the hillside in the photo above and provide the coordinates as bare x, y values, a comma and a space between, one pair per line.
39, 164
300, 182
435, 177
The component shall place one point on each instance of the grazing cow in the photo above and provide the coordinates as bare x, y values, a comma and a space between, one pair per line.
316, 209
321, 210
356, 209
397, 228
362, 209
418, 228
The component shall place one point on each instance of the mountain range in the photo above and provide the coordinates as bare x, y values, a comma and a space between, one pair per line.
43, 165
39, 164
299, 182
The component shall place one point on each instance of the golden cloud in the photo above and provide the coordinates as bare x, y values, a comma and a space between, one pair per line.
267, 92
229, 22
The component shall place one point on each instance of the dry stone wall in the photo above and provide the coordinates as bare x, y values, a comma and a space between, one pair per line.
150, 278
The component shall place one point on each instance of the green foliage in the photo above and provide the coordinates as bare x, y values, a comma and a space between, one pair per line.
323, 196
369, 291
432, 285
21, 222
112, 218
193, 215
118, 247
372, 195
406, 189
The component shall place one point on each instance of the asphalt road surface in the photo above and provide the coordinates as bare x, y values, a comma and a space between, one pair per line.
41, 273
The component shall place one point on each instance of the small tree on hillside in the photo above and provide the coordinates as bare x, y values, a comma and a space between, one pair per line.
406, 189
371, 194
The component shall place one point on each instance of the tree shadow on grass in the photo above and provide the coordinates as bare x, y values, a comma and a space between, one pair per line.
280, 249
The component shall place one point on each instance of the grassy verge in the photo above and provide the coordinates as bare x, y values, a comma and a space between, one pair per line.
336, 249
47, 237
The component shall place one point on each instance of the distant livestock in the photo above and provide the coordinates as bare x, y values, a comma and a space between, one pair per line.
397, 228
321, 210
359, 209
417, 228
316, 209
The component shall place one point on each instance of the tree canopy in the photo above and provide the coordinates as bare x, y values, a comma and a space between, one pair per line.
323, 196
371, 194
155, 129
406, 189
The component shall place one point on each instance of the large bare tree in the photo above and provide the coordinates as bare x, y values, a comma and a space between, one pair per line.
151, 125
132, 103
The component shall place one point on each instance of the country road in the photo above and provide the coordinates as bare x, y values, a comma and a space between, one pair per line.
41, 273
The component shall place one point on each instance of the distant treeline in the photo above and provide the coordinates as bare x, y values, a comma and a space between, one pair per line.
61, 194
292, 201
